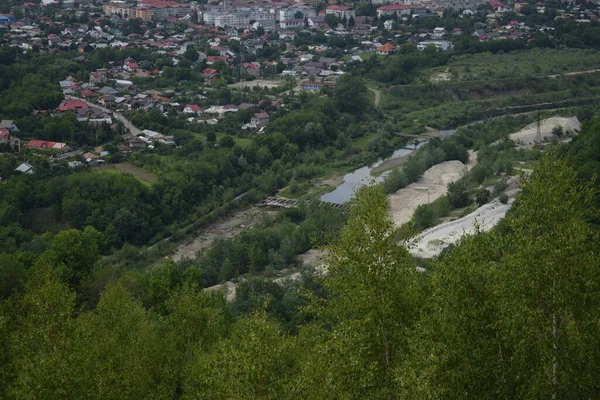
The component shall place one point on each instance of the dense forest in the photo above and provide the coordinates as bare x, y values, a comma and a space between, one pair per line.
512, 313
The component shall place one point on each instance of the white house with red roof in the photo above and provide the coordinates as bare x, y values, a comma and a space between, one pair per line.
130, 66
399, 9
340, 11
500, 7
7, 138
192, 109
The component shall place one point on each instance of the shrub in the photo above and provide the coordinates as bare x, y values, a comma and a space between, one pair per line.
482, 196
503, 198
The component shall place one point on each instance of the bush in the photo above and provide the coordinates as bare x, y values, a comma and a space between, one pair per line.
482, 196
424, 217
458, 195
503, 198
395, 181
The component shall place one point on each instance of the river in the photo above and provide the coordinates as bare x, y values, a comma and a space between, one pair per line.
359, 178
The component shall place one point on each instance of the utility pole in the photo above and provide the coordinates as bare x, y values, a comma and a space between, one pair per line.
538, 136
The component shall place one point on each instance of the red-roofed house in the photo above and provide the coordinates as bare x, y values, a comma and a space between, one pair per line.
43, 144
7, 138
213, 59
500, 7
130, 66
399, 9
386, 50
191, 109
72, 105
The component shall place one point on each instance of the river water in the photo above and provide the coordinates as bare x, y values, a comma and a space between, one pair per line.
359, 178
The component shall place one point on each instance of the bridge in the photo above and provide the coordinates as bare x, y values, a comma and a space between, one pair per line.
276, 201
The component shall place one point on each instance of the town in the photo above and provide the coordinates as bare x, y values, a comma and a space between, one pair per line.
202, 63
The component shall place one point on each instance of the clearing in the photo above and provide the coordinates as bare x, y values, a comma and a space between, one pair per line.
270, 83
224, 229
527, 136
142, 175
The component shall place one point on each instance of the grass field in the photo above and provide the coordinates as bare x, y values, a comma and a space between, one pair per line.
143, 176
533, 62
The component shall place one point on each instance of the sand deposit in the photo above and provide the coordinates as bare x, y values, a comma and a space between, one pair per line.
432, 241
527, 136
432, 186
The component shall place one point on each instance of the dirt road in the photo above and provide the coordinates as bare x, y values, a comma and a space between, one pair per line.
377, 95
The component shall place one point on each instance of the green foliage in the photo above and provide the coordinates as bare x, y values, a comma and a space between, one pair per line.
458, 195
482, 196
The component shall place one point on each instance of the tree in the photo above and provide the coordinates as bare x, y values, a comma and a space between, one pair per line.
482, 196
350, 95
332, 21
42, 340
552, 280
457, 194
371, 305
252, 363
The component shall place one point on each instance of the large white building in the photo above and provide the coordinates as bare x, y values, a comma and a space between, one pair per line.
340, 12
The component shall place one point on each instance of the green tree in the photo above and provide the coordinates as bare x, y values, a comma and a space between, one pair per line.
371, 306
350, 95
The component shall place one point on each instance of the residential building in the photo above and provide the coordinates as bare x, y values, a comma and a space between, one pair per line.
46, 145
388, 11
340, 12
191, 109
386, 50
7, 138
9, 124
440, 44
260, 119
315, 86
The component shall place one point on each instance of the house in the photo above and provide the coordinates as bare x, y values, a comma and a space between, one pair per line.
25, 168
9, 124
72, 105
107, 100
260, 119
108, 90
386, 50
42, 144
398, 9
84, 48
191, 109
316, 22
137, 143
97, 77
340, 11
311, 85
7, 19
443, 45
7, 138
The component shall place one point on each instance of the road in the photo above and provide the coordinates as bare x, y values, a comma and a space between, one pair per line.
377, 95
128, 125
